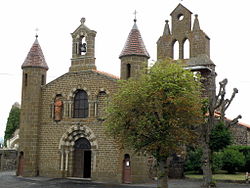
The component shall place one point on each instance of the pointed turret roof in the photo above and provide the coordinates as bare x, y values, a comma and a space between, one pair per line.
166, 29
35, 57
134, 44
196, 26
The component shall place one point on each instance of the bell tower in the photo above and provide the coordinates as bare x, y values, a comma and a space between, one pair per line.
183, 31
83, 48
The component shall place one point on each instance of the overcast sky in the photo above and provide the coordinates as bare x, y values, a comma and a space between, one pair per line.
225, 22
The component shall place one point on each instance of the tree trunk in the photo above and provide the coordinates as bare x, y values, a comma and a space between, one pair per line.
206, 166
163, 173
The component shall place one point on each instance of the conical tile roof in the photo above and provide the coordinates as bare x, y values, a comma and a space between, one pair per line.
35, 57
134, 44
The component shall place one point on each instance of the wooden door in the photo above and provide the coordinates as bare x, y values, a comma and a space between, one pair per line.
78, 163
20, 164
126, 169
82, 159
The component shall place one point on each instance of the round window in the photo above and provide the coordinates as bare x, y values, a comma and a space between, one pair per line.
180, 17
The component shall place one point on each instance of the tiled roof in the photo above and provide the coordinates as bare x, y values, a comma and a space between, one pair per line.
35, 57
134, 44
106, 74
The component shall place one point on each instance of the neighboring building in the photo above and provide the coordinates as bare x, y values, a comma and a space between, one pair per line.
61, 125
8, 159
13, 142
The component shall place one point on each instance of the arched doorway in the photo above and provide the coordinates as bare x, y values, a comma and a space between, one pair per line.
126, 178
82, 158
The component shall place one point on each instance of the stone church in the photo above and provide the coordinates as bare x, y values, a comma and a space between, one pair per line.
61, 126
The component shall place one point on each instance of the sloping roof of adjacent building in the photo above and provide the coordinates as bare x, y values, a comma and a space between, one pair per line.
35, 57
134, 44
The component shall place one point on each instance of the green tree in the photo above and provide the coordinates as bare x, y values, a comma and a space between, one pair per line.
157, 113
220, 137
12, 122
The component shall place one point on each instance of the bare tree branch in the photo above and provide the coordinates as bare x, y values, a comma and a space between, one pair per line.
234, 121
231, 99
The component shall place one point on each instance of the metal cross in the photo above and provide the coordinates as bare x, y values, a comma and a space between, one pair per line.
36, 32
135, 14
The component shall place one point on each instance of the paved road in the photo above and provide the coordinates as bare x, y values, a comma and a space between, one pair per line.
9, 180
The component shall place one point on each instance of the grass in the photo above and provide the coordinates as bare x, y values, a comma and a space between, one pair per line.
233, 177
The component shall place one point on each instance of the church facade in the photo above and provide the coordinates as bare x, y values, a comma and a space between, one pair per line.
61, 126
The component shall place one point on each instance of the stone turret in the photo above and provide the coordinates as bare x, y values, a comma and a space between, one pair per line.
83, 48
134, 56
34, 77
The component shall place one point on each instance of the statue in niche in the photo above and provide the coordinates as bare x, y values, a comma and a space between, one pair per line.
58, 108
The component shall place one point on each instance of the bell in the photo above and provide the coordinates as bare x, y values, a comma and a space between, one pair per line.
83, 47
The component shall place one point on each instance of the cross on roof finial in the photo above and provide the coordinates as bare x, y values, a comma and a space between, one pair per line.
135, 12
37, 32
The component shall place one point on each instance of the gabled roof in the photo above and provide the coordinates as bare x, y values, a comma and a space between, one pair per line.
35, 57
180, 6
134, 44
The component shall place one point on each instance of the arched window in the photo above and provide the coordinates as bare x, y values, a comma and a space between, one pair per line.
81, 105
186, 49
175, 50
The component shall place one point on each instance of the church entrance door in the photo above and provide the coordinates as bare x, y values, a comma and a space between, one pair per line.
82, 158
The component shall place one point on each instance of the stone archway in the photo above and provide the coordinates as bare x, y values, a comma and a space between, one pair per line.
67, 148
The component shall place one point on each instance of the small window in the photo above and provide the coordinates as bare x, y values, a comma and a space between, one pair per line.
25, 79
43, 80
128, 71
81, 105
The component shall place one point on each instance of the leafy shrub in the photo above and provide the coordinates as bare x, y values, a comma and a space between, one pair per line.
217, 162
232, 160
246, 152
193, 161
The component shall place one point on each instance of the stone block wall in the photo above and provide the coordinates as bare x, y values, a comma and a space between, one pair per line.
8, 160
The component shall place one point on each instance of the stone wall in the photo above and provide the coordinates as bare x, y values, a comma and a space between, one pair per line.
241, 135
8, 159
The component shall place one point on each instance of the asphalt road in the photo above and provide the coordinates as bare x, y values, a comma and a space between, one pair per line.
9, 180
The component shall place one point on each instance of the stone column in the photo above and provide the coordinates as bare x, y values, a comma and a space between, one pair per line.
70, 109
62, 159
66, 160
95, 103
